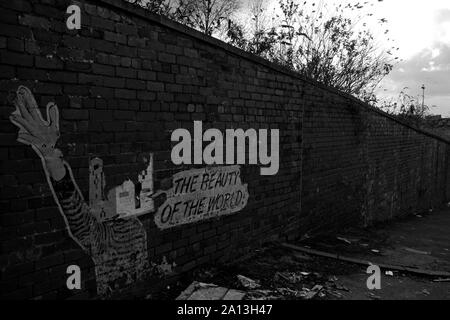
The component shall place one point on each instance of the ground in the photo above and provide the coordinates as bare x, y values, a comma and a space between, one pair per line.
421, 243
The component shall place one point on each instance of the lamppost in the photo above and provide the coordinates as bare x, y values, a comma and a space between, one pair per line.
423, 96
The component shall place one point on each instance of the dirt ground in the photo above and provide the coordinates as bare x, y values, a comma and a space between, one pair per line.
303, 272
277, 272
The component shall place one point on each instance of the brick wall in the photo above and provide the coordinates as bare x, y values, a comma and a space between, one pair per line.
362, 166
438, 126
126, 80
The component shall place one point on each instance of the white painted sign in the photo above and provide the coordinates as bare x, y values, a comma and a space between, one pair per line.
201, 194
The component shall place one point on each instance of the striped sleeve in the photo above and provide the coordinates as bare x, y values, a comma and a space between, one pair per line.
81, 223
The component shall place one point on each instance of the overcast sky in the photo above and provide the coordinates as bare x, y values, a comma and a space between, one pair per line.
421, 29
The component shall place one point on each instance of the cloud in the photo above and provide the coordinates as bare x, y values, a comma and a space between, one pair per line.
442, 16
430, 67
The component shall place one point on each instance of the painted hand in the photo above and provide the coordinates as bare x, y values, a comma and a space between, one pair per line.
36, 132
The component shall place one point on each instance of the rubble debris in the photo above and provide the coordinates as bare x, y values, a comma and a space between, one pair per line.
206, 291
263, 295
313, 292
282, 293
332, 278
344, 240
335, 294
442, 280
248, 283
273, 276
364, 245
287, 292
416, 251
290, 277
341, 287
426, 292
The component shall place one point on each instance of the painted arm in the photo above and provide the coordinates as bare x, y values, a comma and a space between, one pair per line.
42, 136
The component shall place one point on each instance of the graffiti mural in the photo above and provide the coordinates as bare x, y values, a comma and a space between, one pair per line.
107, 226
124, 201
99, 226
201, 194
